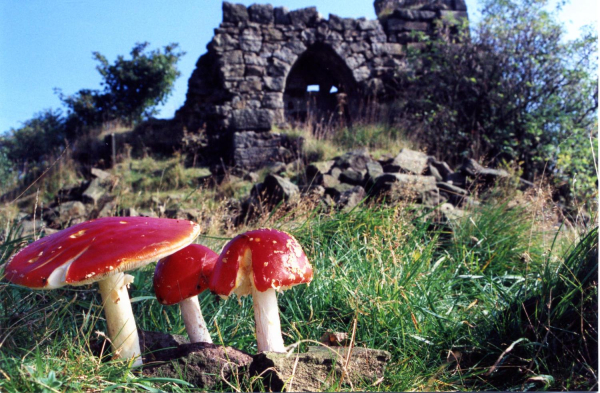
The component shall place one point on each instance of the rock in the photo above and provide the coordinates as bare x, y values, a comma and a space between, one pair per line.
452, 193
472, 168
351, 176
355, 159
450, 212
410, 161
279, 189
31, 227
320, 368
254, 150
94, 192
305, 16
374, 170
261, 13
442, 168
337, 189
282, 16
234, 13
71, 210
251, 120
349, 199
71, 192
201, 364
316, 170
398, 186
252, 177
100, 174
329, 181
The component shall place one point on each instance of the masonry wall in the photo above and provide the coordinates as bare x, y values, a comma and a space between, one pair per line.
261, 58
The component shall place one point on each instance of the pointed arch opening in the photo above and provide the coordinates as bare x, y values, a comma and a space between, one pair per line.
320, 88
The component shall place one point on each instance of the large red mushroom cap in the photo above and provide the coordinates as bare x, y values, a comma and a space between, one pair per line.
183, 274
93, 250
275, 258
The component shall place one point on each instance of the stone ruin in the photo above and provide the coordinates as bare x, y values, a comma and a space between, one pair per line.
269, 67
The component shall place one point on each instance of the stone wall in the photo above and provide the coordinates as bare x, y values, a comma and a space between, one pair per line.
261, 60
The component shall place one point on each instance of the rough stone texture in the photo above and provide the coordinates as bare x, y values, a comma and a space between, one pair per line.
261, 60
279, 189
320, 368
201, 364
410, 161
252, 150
398, 186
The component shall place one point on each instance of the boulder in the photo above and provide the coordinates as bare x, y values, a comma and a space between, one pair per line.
409, 161
355, 159
352, 176
277, 189
349, 199
94, 192
455, 195
439, 169
398, 186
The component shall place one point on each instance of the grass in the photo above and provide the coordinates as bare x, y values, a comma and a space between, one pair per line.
486, 303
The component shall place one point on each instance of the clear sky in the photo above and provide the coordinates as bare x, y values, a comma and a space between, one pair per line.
47, 44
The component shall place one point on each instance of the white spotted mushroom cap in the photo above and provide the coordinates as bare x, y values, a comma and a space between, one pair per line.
93, 250
263, 258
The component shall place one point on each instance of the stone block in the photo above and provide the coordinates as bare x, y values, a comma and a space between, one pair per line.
366, 25
411, 161
281, 16
261, 13
251, 119
390, 49
234, 13
398, 186
413, 15
395, 25
274, 83
305, 16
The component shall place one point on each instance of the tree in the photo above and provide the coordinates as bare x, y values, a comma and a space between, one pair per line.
514, 90
132, 88
38, 139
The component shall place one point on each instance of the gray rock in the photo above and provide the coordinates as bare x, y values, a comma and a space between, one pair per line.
452, 193
398, 186
282, 16
94, 192
251, 119
410, 161
352, 176
320, 368
472, 168
316, 170
349, 199
440, 167
234, 13
305, 16
355, 159
100, 174
419, 15
71, 210
279, 189
261, 13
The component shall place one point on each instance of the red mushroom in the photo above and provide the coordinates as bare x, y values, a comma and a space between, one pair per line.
261, 262
180, 278
101, 250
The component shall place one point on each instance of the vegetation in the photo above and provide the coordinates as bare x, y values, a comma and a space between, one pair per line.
514, 90
499, 300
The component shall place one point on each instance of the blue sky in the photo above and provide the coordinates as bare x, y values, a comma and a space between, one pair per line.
49, 44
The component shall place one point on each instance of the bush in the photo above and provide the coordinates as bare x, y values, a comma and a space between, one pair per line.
515, 90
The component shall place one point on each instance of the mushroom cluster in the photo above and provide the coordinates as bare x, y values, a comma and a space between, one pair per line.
259, 262
101, 251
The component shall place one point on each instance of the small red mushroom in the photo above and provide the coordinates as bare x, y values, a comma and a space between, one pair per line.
180, 278
100, 251
261, 262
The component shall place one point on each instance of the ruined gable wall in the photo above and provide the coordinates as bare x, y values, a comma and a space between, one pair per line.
238, 85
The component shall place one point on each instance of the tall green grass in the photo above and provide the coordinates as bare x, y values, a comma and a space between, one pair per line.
479, 304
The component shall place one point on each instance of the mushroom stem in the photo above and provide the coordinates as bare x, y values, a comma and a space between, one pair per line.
266, 318
194, 321
122, 330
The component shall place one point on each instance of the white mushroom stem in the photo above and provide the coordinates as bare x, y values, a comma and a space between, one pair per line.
122, 330
194, 321
266, 318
